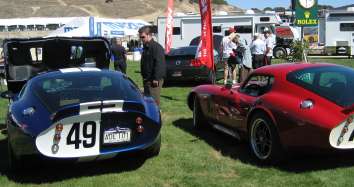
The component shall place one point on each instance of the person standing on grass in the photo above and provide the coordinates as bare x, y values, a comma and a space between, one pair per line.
153, 66
258, 50
227, 45
246, 62
119, 55
269, 47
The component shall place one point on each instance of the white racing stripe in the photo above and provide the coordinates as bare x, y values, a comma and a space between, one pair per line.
118, 106
79, 137
89, 69
84, 107
70, 70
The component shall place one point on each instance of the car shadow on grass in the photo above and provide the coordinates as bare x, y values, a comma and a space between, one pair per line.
49, 171
182, 84
302, 162
2, 126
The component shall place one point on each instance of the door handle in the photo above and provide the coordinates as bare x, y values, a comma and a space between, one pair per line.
28, 111
307, 104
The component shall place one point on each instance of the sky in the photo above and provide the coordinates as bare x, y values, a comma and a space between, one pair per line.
247, 4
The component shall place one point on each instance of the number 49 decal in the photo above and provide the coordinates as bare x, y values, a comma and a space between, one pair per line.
73, 137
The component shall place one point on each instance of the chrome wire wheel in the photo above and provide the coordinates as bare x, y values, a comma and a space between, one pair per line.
261, 139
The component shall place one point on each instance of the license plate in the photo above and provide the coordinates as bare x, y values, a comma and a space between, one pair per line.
177, 74
116, 136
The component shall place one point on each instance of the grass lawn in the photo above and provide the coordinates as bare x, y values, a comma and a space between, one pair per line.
187, 158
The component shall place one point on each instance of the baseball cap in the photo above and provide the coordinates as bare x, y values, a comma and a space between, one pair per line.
266, 30
231, 30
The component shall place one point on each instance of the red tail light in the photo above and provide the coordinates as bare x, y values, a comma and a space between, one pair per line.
59, 127
139, 120
195, 63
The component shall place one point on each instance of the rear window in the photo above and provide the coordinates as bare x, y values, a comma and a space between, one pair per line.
66, 89
333, 83
183, 51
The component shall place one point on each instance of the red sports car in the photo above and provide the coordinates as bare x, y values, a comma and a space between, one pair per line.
282, 107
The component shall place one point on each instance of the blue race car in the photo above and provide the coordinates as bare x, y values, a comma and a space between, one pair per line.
63, 110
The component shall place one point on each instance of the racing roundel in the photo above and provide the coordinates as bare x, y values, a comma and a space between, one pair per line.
342, 136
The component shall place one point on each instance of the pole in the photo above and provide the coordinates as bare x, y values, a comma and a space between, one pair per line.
302, 43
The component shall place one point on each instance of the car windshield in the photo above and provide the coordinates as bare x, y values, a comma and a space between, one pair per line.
335, 83
56, 91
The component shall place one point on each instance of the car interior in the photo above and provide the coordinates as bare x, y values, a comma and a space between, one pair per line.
26, 58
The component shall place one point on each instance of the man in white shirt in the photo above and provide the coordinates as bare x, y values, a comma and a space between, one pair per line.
258, 48
227, 46
269, 42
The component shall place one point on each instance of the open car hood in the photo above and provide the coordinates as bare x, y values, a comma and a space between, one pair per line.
25, 58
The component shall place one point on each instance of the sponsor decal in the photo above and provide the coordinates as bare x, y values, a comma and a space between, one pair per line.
205, 48
169, 26
306, 13
57, 137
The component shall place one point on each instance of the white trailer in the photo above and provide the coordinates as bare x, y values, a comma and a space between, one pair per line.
185, 28
336, 32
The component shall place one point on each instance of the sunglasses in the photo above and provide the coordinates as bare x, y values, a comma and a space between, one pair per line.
142, 37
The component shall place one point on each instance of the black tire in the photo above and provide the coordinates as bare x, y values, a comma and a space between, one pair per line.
279, 52
15, 164
264, 140
211, 77
199, 121
153, 150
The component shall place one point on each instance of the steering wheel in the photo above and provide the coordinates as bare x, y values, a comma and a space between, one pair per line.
253, 87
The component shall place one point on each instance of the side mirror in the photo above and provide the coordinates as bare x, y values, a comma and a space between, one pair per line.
7, 94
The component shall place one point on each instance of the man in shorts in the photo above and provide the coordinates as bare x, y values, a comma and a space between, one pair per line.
227, 47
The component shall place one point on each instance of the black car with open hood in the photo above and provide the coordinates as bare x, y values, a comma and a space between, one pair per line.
26, 58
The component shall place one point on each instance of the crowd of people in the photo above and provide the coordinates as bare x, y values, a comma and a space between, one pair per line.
240, 57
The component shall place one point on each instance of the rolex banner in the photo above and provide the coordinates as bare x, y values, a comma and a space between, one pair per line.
306, 13
169, 26
205, 49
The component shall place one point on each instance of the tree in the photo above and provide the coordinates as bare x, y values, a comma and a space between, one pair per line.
267, 9
279, 9
219, 2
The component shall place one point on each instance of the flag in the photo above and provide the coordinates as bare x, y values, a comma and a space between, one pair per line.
205, 48
169, 26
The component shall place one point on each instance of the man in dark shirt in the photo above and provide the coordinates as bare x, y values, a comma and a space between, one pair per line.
119, 55
153, 67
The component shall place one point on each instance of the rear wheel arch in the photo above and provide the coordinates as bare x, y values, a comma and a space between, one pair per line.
264, 111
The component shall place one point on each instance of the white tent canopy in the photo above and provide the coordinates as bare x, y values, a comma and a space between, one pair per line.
35, 21
91, 26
